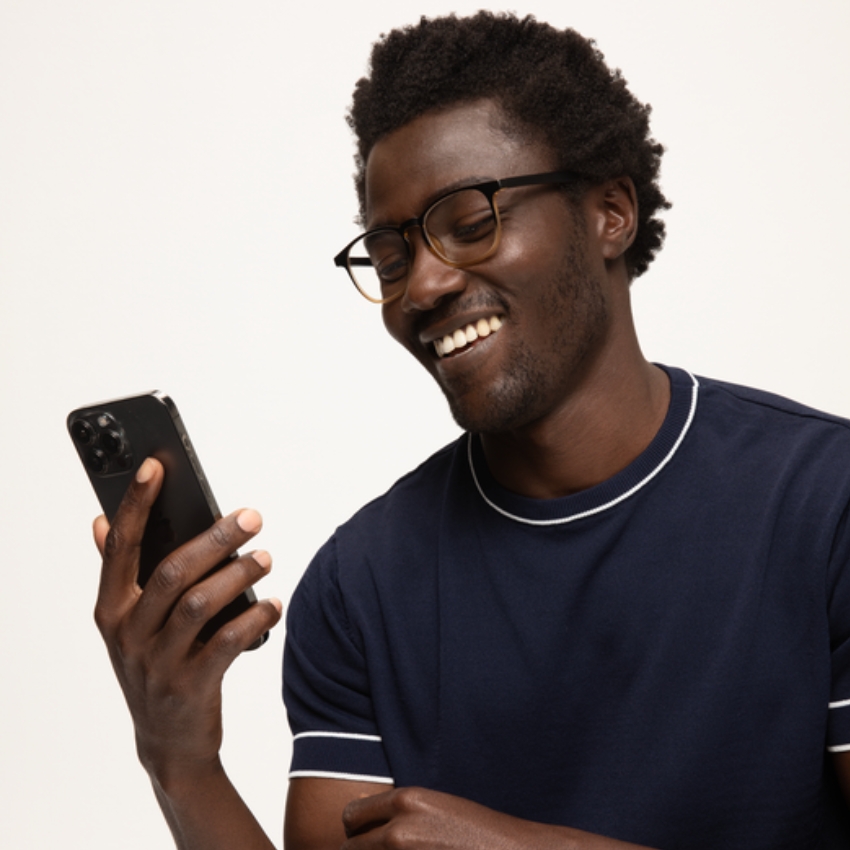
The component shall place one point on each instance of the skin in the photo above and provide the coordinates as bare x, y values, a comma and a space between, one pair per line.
565, 362
172, 683
567, 359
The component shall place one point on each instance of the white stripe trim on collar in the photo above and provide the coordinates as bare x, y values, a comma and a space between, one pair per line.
607, 505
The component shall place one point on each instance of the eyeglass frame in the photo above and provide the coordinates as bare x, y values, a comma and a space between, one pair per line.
488, 188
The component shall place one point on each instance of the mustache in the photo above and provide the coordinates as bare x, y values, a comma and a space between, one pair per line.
462, 304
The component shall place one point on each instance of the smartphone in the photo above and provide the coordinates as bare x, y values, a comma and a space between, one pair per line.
113, 438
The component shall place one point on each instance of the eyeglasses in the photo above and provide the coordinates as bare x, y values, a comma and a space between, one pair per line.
462, 228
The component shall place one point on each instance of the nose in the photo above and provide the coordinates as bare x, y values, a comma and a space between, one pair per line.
429, 279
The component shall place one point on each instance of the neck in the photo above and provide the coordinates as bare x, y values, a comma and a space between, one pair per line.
608, 420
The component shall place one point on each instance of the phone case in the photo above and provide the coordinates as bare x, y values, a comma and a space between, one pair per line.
113, 438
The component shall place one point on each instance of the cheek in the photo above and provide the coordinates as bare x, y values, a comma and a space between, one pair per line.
533, 250
399, 327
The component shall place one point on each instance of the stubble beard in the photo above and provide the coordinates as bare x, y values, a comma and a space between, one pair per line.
525, 392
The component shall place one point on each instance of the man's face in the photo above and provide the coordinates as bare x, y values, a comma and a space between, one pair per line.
541, 296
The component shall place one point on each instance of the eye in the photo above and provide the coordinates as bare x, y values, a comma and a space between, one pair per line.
471, 228
388, 254
392, 268
462, 218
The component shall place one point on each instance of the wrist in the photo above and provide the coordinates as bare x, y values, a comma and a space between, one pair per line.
178, 778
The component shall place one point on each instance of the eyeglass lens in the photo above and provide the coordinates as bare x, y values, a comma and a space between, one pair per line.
462, 228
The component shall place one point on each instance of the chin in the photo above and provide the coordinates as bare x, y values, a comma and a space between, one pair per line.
500, 410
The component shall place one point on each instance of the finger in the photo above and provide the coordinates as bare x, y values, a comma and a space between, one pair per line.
187, 565
238, 635
120, 542
100, 528
366, 813
205, 599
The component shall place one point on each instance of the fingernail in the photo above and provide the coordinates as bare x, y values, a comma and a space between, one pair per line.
277, 604
145, 472
262, 558
249, 520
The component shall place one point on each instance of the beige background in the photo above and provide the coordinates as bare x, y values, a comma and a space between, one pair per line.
174, 181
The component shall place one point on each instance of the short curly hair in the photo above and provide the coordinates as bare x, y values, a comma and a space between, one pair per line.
554, 83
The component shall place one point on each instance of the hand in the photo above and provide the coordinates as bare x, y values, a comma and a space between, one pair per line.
417, 818
172, 682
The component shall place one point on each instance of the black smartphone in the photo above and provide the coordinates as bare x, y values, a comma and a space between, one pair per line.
113, 438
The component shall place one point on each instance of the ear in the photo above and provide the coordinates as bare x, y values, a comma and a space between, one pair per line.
615, 211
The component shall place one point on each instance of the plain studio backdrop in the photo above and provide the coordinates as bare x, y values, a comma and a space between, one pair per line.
175, 178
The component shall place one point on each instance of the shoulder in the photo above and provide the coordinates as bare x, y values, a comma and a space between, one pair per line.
760, 420
760, 403
758, 442
411, 497
401, 520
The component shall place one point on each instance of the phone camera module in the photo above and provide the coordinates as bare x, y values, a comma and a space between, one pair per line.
98, 462
111, 442
82, 432
102, 443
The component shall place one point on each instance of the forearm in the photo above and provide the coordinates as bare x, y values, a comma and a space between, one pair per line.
563, 838
517, 834
418, 817
205, 812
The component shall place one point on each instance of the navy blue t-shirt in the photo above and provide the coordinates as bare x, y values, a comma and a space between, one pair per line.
664, 658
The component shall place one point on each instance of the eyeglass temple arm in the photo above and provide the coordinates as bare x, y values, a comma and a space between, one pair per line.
537, 179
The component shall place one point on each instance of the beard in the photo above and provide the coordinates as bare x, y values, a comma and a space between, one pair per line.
538, 378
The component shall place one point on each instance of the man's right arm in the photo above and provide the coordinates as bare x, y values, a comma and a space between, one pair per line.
172, 683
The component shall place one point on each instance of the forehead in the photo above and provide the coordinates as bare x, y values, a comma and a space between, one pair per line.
441, 150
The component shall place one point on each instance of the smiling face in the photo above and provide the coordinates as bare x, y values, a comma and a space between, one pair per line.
511, 339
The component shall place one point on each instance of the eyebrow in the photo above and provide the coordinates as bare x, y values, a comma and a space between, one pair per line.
462, 183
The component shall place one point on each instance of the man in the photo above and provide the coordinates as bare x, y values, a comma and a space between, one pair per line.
615, 612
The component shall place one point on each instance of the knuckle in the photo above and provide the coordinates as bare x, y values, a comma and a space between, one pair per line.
103, 619
221, 537
407, 799
194, 606
171, 574
115, 542
250, 570
221, 648
229, 638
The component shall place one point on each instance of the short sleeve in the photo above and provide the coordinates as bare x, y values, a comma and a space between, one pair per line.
838, 734
326, 684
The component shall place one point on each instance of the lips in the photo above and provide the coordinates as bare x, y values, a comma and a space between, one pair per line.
464, 336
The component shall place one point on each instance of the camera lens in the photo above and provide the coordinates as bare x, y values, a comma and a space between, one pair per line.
112, 442
82, 432
97, 461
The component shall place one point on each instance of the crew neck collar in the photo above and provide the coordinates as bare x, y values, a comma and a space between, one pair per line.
605, 496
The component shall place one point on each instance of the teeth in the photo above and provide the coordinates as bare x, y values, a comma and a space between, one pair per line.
466, 336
